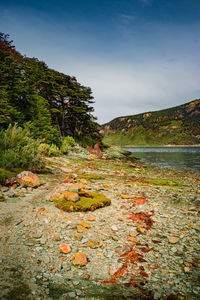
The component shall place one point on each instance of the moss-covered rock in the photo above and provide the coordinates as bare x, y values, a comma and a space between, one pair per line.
87, 201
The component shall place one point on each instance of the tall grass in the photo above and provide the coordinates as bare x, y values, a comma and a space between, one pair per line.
18, 149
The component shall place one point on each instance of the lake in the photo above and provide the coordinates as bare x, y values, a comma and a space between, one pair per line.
179, 158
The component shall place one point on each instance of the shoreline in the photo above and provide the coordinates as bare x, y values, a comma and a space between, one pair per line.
150, 231
164, 146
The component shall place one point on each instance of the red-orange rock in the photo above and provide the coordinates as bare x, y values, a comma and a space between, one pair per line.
65, 248
28, 178
80, 259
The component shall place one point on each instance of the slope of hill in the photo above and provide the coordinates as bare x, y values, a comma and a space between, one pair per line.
178, 125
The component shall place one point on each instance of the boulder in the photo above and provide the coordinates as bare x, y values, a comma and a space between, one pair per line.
28, 178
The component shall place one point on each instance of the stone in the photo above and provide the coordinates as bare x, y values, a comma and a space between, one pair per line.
173, 240
90, 218
192, 208
141, 229
114, 237
86, 225
114, 228
127, 196
65, 248
80, 228
186, 269
86, 276
73, 188
71, 196
93, 244
80, 259
28, 178
78, 236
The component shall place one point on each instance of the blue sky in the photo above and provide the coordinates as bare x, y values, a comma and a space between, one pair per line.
136, 55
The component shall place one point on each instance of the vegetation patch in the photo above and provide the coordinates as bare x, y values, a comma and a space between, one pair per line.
87, 201
157, 181
4, 174
90, 176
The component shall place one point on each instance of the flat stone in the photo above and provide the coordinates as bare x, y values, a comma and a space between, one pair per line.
80, 259
114, 228
173, 240
65, 248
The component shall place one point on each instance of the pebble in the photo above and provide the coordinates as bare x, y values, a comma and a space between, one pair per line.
173, 240
114, 228
44, 229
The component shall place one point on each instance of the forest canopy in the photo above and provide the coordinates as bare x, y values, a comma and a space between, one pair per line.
50, 104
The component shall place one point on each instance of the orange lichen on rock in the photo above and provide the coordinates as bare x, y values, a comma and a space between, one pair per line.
28, 178
80, 259
65, 248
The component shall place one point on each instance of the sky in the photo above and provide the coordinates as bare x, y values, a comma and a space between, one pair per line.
136, 55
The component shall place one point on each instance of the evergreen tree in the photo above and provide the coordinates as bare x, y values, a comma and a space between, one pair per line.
50, 103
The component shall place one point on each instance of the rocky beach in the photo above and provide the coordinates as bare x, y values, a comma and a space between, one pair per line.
144, 245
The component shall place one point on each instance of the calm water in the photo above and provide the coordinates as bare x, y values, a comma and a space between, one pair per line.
180, 158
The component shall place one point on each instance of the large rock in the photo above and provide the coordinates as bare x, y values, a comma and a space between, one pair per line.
28, 178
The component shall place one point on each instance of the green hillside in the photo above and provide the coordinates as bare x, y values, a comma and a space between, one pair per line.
178, 125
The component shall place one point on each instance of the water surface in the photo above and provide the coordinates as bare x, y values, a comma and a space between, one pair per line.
179, 158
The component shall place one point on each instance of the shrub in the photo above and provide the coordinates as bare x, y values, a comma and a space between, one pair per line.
4, 174
44, 149
54, 150
64, 147
18, 149
69, 140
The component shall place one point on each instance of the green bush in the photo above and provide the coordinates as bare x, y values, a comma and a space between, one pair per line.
64, 147
54, 150
69, 140
44, 149
18, 149
4, 174
49, 150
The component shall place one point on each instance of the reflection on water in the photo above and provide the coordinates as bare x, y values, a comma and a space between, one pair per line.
180, 158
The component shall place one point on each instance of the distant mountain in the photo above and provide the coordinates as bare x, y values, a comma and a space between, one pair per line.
178, 125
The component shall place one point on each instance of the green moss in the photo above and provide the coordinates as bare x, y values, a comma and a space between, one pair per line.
90, 176
164, 182
84, 203
159, 182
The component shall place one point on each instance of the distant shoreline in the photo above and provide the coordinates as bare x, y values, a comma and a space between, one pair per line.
164, 146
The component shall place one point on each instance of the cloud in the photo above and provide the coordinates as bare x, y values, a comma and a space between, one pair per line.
126, 18
144, 67
122, 89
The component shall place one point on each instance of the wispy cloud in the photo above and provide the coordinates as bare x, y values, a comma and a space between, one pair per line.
127, 18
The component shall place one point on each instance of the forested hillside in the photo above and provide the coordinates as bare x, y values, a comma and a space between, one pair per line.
176, 125
50, 104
